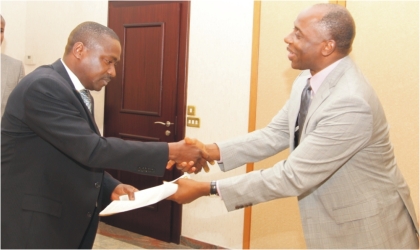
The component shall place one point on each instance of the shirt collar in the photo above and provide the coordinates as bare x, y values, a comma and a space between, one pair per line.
76, 82
318, 78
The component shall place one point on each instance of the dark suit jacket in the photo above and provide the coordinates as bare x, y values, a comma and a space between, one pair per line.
52, 161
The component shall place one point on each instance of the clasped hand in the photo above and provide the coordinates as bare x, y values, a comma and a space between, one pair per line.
189, 149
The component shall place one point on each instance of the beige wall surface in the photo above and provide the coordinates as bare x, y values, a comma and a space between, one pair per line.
14, 36
219, 71
386, 49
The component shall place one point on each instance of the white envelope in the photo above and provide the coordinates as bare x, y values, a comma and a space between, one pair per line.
143, 198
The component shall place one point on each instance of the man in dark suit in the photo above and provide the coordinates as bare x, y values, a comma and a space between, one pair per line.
53, 158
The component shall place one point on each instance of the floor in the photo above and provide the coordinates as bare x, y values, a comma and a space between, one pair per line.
109, 237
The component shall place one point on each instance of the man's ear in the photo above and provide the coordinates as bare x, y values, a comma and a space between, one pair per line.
78, 49
328, 48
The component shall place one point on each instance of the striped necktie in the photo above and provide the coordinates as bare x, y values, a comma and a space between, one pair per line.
87, 98
305, 102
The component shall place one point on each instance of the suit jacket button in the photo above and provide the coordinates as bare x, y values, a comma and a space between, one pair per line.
97, 184
89, 214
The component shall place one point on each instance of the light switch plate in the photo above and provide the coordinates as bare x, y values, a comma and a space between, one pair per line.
191, 110
193, 122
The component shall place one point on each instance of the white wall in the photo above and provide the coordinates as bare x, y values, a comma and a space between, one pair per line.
14, 12
219, 72
218, 81
41, 29
393, 71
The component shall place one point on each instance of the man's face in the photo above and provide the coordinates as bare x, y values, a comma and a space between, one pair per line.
305, 41
97, 64
3, 26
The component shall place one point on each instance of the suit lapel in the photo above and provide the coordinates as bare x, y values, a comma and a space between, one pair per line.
59, 68
90, 115
325, 89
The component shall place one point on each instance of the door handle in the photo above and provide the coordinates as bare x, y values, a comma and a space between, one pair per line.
167, 124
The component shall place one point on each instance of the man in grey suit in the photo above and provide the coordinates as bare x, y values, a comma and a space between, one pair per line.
11, 72
343, 170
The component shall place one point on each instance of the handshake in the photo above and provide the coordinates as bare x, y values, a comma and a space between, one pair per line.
191, 155
189, 190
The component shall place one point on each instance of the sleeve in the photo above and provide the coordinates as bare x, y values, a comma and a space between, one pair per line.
257, 145
21, 72
108, 185
341, 130
55, 114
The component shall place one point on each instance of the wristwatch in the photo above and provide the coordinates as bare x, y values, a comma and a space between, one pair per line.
213, 189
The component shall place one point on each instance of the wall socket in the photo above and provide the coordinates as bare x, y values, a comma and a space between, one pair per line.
193, 122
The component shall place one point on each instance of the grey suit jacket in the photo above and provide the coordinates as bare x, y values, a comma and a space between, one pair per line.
351, 193
11, 72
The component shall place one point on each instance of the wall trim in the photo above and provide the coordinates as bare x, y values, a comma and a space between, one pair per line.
342, 3
252, 109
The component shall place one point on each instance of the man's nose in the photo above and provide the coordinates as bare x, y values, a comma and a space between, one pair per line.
111, 71
287, 39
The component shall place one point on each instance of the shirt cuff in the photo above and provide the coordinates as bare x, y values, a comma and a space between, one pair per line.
218, 190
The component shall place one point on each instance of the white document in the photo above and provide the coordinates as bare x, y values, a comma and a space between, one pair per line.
143, 198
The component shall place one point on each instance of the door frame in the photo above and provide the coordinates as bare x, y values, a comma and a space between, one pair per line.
181, 106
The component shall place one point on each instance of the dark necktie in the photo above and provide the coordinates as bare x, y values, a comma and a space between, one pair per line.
305, 102
87, 98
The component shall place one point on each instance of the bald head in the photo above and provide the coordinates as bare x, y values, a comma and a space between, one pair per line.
323, 34
338, 24
90, 34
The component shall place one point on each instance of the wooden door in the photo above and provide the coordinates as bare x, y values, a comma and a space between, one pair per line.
146, 101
